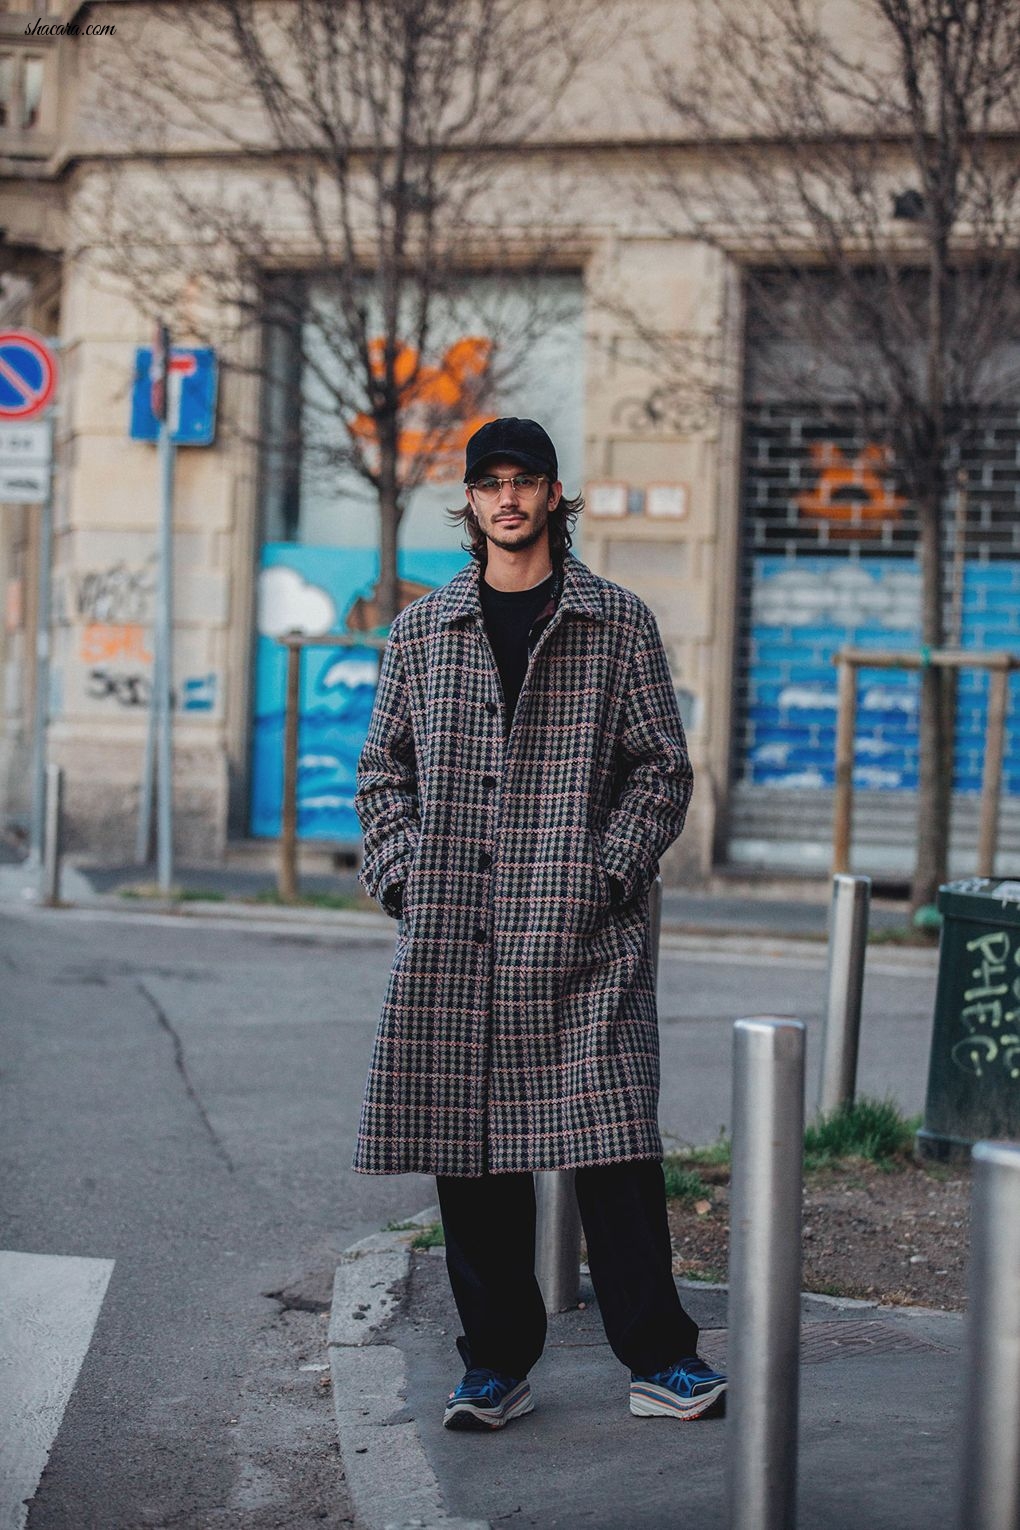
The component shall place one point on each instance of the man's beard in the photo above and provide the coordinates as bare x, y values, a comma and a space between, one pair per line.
527, 541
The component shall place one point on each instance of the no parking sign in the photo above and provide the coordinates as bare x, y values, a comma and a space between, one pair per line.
28, 375
28, 382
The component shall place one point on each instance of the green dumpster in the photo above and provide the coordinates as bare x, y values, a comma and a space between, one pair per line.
974, 1070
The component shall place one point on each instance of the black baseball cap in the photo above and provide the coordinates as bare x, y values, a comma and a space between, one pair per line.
522, 441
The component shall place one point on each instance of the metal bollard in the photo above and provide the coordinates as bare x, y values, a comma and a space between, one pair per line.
765, 1273
49, 892
557, 1220
557, 1239
655, 924
848, 943
990, 1425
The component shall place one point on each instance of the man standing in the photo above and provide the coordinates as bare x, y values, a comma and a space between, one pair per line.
524, 769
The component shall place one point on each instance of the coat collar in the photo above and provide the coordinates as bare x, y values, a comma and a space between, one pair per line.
580, 592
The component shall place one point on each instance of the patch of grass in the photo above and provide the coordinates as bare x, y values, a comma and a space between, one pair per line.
201, 895
903, 935
870, 1129
430, 1237
853, 1289
308, 900
873, 1130
151, 890
706, 1275
710, 1155
683, 1183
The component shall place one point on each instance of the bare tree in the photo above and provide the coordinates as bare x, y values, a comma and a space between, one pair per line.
860, 166
333, 171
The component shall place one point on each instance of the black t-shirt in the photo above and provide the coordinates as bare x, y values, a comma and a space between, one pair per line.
509, 616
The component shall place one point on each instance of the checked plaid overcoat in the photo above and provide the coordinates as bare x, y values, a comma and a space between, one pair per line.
519, 1027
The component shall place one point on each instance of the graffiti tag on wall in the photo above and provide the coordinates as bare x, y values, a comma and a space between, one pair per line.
850, 493
108, 642
129, 688
118, 593
126, 689
991, 1008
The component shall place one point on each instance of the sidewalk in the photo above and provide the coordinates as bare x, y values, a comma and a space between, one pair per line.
880, 1399
223, 890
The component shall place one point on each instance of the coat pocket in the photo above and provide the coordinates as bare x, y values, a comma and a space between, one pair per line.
605, 896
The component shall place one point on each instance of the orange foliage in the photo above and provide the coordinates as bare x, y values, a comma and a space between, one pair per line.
438, 404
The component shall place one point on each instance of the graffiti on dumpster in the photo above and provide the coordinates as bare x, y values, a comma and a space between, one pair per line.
991, 1007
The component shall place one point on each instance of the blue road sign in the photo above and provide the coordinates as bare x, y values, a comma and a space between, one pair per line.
28, 375
190, 396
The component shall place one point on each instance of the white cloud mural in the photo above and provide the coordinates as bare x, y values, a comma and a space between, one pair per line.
772, 754
847, 596
887, 698
288, 603
810, 697
350, 672
872, 776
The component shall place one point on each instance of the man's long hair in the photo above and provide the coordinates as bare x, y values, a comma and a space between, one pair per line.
561, 524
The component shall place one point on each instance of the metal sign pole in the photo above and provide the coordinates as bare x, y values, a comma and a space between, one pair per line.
143, 836
42, 663
162, 690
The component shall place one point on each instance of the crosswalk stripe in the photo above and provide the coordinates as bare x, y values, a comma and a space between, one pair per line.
48, 1310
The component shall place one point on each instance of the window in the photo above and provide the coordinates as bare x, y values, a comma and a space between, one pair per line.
31, 91
6, 89
21, 91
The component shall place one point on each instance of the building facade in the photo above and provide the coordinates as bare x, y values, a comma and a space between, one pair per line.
730, 521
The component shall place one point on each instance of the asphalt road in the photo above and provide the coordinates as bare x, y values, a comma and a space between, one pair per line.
181, 1098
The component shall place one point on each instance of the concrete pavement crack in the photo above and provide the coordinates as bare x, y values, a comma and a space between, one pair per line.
182, 1067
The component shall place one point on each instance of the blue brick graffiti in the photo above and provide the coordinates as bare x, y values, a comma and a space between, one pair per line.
804, 610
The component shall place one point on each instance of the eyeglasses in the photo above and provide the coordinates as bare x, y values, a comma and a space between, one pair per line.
526, 485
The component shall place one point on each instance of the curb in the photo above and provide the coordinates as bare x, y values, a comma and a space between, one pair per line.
714, 945
391, 1484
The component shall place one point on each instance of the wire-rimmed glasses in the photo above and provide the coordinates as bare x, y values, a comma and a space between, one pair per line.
526, 485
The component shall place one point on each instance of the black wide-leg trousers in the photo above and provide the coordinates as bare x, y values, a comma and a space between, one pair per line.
489, 1225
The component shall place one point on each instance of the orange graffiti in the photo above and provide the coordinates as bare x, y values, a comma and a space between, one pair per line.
103, 641
440, 404
851, 495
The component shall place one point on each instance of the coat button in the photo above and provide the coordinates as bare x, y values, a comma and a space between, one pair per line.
491, 708
480, 936
484, 861
489, 781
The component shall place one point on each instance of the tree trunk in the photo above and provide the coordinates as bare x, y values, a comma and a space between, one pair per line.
389, 521
935, 766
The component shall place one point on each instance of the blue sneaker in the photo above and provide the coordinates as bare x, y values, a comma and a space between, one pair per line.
486, 1400
689, 1389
